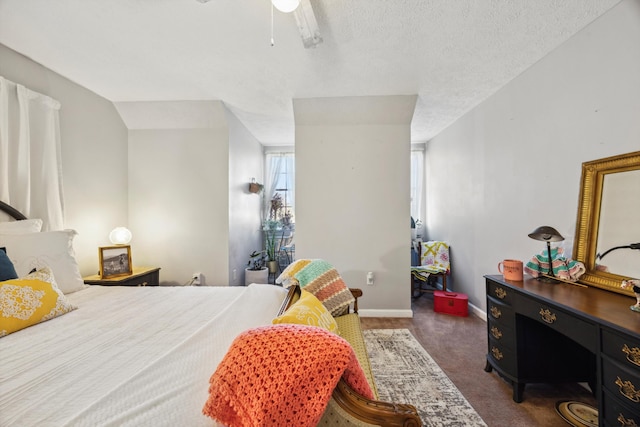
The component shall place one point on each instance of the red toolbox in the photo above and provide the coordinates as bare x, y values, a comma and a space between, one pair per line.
455, 303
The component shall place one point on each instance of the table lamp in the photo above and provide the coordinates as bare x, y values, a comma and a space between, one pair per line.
547, 234
120, 236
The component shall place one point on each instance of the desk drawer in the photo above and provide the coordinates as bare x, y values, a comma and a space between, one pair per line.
502, 357
623, 349
501, 333
499, 311
616, 413
582, 332
499, 292
623, 383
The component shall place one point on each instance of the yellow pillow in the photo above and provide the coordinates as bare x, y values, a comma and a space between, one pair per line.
308, 310
29, 300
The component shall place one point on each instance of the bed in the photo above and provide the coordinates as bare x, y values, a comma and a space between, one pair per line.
126, 356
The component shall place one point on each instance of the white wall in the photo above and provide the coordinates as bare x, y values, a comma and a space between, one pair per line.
94, 155
352, 197
513, 163
178, 188
246, 161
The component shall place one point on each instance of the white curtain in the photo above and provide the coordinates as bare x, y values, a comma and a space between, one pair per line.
417, 178
30, 160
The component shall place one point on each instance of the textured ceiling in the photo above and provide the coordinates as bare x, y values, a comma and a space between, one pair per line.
452, 53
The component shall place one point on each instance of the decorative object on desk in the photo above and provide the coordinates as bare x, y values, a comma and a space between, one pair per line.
635, 285
115, 261
547, 234
607, 217
254, 187
577, 414
256, 272
564, 269
511, 269
120, 236
629, 246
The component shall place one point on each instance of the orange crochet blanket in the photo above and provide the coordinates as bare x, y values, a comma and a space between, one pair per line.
281, 375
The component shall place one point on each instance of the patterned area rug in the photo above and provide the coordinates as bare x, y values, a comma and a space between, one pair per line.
405, 373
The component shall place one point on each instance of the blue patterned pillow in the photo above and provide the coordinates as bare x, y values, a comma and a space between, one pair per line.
7, 271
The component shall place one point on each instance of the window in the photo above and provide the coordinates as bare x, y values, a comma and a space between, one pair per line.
417, 180
280, 187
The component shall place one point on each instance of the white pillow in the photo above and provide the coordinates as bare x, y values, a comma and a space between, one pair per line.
49, 248
21, 227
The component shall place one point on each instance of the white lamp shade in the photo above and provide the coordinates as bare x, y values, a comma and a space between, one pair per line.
286, 6
120, 236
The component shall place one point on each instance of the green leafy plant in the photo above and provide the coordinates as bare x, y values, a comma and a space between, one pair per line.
256, 260
271, 229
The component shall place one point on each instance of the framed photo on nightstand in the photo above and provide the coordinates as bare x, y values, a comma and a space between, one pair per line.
115, 261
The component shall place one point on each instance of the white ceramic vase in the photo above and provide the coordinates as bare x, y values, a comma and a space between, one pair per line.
256, 276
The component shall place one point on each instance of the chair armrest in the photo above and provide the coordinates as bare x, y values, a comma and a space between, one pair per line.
374, 411
357, 293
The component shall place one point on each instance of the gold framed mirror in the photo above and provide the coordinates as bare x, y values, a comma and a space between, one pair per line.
608, 225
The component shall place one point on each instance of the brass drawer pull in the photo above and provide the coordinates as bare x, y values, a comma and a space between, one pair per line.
630, 422
628, 390
547, 316
496, 333
633, 354
500, 293
496, 353
495, 312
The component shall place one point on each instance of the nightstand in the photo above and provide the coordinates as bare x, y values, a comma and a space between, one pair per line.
142, 276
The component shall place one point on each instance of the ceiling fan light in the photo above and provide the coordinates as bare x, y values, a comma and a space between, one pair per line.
286, 6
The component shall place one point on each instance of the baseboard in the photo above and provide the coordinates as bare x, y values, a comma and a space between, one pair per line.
478, 312
385, 313
409, 313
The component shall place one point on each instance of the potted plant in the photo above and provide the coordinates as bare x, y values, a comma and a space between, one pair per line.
256, 272
255, 187
271, 229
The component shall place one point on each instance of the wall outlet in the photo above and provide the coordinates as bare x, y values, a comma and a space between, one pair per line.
234, 276
197, 279
370, 278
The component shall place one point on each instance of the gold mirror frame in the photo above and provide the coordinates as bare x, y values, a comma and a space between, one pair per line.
584, 249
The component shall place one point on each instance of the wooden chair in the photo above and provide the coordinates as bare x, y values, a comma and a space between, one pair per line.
434, 263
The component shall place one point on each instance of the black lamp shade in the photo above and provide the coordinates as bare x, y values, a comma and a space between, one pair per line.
546, 234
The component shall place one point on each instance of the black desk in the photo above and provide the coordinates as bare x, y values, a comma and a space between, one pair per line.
544, 332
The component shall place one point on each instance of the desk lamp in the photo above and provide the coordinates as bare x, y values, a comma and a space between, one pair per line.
547, 234
615, 248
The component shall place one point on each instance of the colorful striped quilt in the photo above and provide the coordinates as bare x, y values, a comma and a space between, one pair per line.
563, 268
322, 280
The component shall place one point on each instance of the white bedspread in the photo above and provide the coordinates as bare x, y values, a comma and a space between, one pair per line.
127, 356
